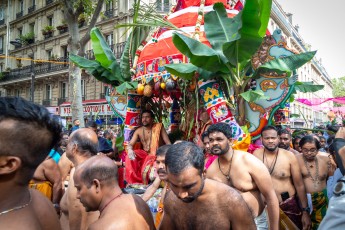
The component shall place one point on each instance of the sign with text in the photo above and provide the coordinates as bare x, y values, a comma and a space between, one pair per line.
95, 109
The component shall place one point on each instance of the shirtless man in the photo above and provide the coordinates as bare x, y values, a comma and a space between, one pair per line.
97, 189
20, 154
47, 179
82, 145
286, 177
198, 203
285, 141
315, 169
244, 172
151, 135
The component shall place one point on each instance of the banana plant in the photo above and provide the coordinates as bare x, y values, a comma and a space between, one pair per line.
233, 42
105, 67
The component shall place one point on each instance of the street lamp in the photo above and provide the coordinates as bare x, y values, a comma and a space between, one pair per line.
18, 42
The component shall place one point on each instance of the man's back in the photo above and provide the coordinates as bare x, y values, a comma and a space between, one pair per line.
220, 207
38, 214
125, 212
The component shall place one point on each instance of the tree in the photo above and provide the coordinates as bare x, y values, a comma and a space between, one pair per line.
73, 10
338, 88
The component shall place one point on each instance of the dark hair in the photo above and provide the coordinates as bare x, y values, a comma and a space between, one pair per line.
148, 111
295, 139
91, 124
106, 173
322, 137
284, 131
268, 127
309, 139
106, 132
222, 127
184, 155
203, 135
162, 151
85, 145
32, 135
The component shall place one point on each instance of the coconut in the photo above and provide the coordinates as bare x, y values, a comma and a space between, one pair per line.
170, 85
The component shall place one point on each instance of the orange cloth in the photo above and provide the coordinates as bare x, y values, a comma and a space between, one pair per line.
45, 187
140, 169
159, 214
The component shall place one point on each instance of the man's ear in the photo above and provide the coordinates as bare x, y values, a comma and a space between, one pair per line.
97, 184
9, 164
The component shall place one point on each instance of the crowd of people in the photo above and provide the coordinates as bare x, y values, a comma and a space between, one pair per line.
76, 180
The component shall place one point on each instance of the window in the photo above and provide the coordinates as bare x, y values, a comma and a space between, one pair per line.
17, 93
83, 87
163, 5
50, 20
63, 89
1, 44
48, 92
2, 13
49, 54
20, 31
109, 5
32, 27
21, 5
110, 39
64, 51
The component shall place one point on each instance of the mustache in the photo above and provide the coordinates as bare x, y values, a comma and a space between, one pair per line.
215, 147
161, 171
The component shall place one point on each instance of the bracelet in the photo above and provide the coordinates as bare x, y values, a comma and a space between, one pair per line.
56, 205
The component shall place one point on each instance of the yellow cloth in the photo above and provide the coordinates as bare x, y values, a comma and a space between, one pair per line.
46, 188
285, 223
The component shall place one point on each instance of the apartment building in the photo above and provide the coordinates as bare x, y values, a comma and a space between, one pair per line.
310, 72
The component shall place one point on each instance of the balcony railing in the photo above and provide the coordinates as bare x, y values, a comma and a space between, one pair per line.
2, 22
31, 9
46, 102
49, 2
1, 51
48, 67
61, 100
19, 14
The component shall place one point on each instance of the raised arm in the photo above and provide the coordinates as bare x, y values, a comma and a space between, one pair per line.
150, 191
263, 180
300, 189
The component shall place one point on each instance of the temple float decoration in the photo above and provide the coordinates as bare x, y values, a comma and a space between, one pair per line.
209, 55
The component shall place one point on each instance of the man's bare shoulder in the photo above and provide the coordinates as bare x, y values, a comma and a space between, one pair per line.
258, 152
323, 156
49, 163
287, 154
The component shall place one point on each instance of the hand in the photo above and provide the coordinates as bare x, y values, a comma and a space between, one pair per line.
306, 221
131, 154
340, 133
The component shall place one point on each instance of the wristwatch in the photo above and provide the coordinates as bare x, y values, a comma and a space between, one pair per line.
306, 209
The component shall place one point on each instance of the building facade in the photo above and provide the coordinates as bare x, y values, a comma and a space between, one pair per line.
41, 24
311, 72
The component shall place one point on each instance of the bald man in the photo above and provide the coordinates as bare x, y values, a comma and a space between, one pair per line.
82, 145
98, 189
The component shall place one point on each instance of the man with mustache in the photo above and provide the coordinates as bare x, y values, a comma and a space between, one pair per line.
287, 180
139, 162
285, 141
244, 172
198, 203
162, 176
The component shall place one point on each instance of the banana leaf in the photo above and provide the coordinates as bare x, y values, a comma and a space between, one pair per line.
253, 95
286, 64
183, 70
122, 89
83, 62
307, 87
199, 54
103, 54
254, 17
219, 28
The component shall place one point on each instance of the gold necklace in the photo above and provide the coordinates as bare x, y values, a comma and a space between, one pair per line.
18, 207
228, 174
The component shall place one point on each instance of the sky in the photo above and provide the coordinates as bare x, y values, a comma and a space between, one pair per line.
321, 24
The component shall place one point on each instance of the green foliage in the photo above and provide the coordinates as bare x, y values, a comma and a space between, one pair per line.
103, 54
307, 87
48, 29
338, 88
27, 38
253, 95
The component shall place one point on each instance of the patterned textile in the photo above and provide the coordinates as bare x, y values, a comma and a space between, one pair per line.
290, 213
45, 187
320, 205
